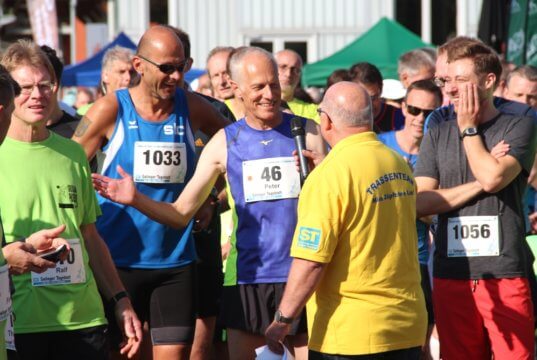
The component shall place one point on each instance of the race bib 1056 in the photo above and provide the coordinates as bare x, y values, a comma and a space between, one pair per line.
470, 236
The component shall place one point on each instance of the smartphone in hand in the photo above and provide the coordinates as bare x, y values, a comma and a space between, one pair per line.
53, 254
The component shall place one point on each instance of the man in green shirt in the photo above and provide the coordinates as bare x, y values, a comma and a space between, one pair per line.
18, 257
59, 313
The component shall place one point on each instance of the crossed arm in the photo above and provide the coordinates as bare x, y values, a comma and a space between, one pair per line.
432, 200
493, 171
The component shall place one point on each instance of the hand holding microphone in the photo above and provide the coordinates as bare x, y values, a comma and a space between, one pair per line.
297, 130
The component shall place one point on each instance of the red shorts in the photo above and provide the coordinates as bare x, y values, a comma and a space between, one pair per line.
477, 318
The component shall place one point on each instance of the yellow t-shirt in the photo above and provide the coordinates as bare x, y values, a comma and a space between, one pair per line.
84, 109
304, 109
369, 299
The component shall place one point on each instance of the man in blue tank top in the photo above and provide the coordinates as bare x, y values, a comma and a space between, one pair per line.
148, 130
422, 97
263, 186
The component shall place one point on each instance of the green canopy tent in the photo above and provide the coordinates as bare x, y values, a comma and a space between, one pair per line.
381, 46
522, 40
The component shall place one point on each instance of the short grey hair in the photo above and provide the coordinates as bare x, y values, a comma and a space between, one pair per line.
116, 53
412, 61
527, 72
235, 60
218, 50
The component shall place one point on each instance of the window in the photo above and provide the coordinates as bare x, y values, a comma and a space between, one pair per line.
301, 47
408, 13
158, 11
267, 45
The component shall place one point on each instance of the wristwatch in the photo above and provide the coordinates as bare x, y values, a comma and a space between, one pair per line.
278, 317
471, 131
120, 295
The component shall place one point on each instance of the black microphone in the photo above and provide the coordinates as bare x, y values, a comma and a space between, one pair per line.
298, 133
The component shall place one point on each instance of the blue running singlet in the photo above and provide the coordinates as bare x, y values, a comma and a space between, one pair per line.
263, 185
161, 158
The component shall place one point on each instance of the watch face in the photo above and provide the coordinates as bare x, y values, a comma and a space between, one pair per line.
471, 131
278, 317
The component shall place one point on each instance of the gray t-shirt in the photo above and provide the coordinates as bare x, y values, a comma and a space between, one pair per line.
442, 157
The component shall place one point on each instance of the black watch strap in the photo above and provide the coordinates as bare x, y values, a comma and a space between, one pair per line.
120, 295
470, 131
278, 317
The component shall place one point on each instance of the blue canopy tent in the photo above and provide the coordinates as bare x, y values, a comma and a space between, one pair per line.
88, 72
193, 74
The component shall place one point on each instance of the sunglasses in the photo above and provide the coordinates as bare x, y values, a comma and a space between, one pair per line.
439, 81
167, 69
415, 111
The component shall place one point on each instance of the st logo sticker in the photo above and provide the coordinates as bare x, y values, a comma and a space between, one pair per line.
309, 238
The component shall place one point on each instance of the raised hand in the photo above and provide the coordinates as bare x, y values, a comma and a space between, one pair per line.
468, 106
121, 191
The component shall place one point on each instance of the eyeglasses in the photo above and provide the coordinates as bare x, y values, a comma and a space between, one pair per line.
44, 87
415, 111
167, 68
321, 111
294, 70
440, 82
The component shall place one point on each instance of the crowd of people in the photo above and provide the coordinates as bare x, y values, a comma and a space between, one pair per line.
405, 225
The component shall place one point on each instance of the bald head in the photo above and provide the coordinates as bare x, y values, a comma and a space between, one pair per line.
160, 62
289, 54
348, 105
289, 71
160, 39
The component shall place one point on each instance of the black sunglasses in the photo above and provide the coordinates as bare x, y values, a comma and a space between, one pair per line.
439, 81
414, 110
167, 69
